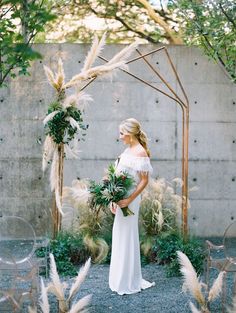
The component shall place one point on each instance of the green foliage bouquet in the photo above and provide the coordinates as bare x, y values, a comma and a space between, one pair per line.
112, 189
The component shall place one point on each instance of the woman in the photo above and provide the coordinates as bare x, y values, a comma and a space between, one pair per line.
125, 269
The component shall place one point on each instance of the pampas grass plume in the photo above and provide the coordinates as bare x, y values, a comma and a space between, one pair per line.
94, 51
54, 170
193, 308
44, 299
80, 278
123, 54
48, 149
60, 75
160, 219
50, 117
73, 123
190, 278
80, 305
56, 283
50, 76
216, 287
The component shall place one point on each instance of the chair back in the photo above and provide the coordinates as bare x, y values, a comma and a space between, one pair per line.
17, 240
229, 242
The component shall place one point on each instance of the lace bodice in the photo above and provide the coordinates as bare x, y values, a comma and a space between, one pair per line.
133, 165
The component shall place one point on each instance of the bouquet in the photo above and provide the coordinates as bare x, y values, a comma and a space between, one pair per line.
112, 189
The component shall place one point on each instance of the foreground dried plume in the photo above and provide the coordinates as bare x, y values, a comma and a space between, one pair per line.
194, 285
58, 288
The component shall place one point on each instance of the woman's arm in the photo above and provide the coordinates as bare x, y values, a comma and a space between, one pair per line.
142, 184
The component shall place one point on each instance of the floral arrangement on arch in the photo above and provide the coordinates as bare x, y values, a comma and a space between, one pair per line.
64, 119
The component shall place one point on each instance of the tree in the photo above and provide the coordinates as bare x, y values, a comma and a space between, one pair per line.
123, 20
211, 25
20, 21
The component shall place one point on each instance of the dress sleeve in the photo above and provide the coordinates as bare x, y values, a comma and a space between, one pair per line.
143, 165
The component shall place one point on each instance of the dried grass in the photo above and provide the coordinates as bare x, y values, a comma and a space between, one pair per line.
44, 304
58, 289
48, 151
216, 287
194, 286
79, 279
94, 52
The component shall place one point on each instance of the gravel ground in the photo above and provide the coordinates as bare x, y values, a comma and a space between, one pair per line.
165, 297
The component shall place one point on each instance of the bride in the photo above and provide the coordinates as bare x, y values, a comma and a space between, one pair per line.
125, 275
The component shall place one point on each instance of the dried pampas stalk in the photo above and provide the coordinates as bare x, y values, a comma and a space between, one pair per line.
190, 278
44, 299
178, 181
184, 261
79, 100
80, 278
56, 287
70, 101
160, 220
50, 117
80, 194
73, 123
48, 149
123, 55
102, 249
54, 179
193, 308
32, 310
94, 72
80, 305
60, 74
50, 77
83, 99
216, 287
71, 153
94, 51
58, 201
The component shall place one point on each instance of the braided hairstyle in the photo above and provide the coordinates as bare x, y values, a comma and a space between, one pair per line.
132, 127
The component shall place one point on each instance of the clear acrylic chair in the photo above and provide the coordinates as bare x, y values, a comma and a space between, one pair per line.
18, 268
223, 258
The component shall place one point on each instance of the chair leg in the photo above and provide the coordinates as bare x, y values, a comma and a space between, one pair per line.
224, 292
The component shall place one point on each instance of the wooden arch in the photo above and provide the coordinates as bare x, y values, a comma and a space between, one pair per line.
184, 105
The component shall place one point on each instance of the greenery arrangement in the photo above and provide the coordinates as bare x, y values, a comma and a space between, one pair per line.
112, 189
59, 128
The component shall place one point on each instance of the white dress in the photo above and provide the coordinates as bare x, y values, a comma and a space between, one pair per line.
125, 275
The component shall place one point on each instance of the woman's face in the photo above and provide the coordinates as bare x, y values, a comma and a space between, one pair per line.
124, 137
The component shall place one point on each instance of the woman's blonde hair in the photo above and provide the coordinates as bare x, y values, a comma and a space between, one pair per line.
132, 127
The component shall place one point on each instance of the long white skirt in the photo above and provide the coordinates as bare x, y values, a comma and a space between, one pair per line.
125, 275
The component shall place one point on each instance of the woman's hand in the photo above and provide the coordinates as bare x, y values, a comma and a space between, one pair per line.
124, 202
113, 207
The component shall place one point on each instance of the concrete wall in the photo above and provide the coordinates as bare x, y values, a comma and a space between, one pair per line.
24, 190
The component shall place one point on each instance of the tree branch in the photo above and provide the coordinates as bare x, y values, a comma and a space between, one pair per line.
159, 20
226, 15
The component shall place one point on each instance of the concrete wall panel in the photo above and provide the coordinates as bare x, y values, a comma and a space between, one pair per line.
25, 190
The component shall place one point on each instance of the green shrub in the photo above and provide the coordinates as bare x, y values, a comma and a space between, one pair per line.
68, 250
167, 244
